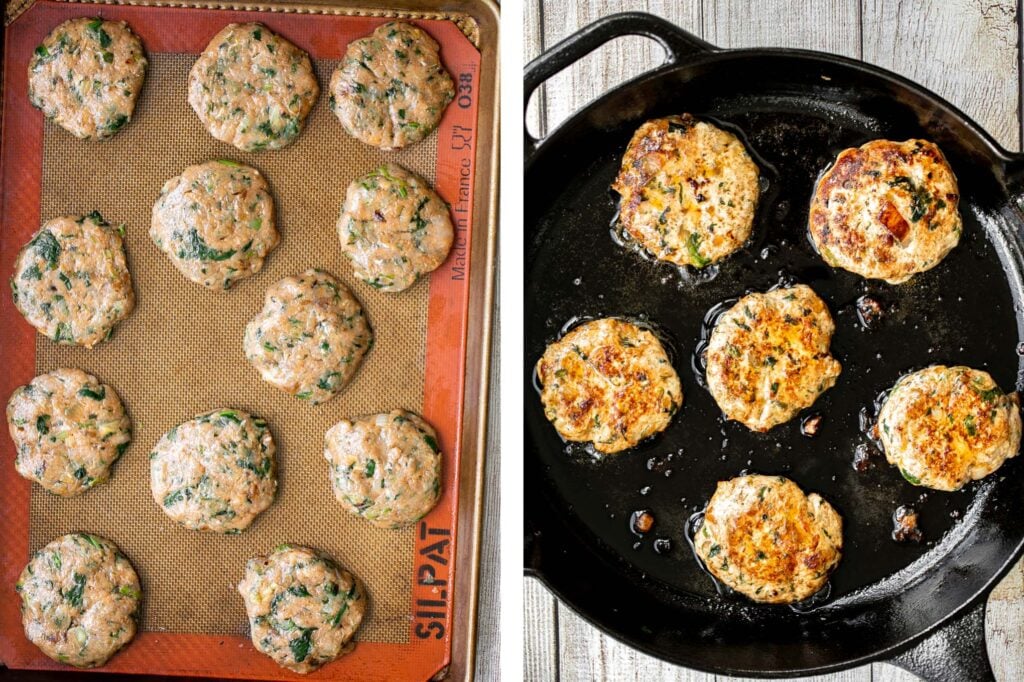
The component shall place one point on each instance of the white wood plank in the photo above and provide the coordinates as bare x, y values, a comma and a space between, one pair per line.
615, 62
883, 672
831, 26
540, 645
586, 654
488, 639
1004, 626
962, 49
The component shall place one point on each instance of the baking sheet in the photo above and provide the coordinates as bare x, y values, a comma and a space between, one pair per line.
180, 354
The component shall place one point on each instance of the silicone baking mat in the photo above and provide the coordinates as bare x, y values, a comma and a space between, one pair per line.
180, 353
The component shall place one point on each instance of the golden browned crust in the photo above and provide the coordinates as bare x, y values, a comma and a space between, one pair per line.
945, 426
886, 210
608, 382
768, 357
763, 537
689, 190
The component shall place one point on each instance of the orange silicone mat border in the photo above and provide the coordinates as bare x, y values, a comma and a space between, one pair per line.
232, 656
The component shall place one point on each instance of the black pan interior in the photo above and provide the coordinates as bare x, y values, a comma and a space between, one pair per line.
795, 113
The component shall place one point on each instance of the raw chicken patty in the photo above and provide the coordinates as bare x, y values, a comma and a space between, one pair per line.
252, 88
310, 337
689, 191
945, 426
886, 210
68, 430
768, 356
215, 222
385, 467
394, 228
303, 609
391, 89
79, 600
86, 75
216, 472
71, 280
763, 537
608, 382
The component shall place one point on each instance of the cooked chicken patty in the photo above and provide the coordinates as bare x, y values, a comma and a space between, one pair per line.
252, 88
391, 89
71, 280
79, 600
763, 537
86, 75
768, 356
689, 191
394, 228
303, 609
945, 426
608, 382
886, 210
68, 430
385, 467
215, 222
215, 472
310, 337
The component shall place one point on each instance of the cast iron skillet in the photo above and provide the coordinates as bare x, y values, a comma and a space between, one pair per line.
921, 606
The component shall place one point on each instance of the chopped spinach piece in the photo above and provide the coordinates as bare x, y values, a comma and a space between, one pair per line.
98, 394
47, 247
693, 245
98, 34
194, 248
74, 595
913, 479
301, 645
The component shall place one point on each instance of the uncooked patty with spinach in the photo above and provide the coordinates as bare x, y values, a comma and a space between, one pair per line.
310, 337
215, 222
303, 608
216, 472
68, 429
385, 467
79, 600
252, 88
71, 280
394, 228
86, 76
390, 89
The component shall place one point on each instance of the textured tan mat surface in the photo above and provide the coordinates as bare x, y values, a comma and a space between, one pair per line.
180, 354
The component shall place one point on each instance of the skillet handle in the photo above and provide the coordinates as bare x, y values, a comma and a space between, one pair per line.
953, 653
676, 42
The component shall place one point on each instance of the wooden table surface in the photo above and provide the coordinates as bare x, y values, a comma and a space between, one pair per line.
966, 51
